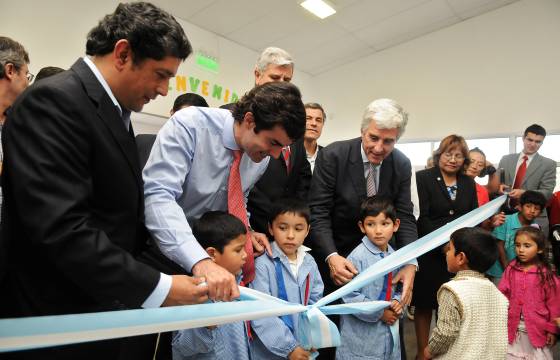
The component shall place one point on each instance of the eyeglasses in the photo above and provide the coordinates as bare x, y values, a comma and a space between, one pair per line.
449, 156
29, 76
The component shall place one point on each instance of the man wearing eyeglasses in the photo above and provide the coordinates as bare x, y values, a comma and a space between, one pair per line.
14, 78
14, 73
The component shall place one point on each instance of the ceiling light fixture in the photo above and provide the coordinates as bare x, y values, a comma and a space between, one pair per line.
318, 8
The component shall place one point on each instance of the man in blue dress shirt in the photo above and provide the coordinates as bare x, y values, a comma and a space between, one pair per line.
188, 170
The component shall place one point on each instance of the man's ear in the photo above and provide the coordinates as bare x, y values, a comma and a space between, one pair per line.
122, 54
10, 71
249, 120
257, 74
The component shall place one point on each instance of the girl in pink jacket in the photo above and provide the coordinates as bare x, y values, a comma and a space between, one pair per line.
533, 291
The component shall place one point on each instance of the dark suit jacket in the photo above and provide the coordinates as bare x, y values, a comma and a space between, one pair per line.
338, 188
276, 183
436, 207
144, 143
73, 195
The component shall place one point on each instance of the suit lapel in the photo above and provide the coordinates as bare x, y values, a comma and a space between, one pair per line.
532, 169
462, 184
511, 168
109, 115
386, 176
441, 183
356, 168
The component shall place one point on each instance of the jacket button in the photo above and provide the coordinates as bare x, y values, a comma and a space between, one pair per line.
451, 212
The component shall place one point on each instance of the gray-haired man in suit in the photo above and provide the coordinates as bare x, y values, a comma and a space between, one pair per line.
528, 170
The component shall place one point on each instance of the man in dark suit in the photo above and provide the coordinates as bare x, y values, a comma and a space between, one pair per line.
73, 189
14, 78
290, 174
314, 121
340, 184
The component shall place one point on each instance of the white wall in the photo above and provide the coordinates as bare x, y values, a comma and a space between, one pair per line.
54, 33
490, 75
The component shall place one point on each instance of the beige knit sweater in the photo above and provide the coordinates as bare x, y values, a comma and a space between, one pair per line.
483, 330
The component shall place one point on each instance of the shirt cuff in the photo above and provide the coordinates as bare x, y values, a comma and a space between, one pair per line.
189, 254
413, 262
157, 297
327, 258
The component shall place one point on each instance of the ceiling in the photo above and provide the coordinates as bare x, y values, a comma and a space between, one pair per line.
359, 27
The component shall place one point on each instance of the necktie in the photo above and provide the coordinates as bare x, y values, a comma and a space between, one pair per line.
286, 156
386, 291
236, 207
370, 180
520, 173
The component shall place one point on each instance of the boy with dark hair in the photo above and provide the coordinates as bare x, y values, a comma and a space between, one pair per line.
48, 71
472, 313
531, 204
289, 274
223, 236
186, 100
378, 222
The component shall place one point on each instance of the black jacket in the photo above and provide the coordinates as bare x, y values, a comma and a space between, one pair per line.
338, 188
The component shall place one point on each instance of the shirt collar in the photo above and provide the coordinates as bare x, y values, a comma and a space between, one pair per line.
529, 157
314, 156
470, 273
516, 265
364, 156
278, 253
373, 248
228, 136
103, 83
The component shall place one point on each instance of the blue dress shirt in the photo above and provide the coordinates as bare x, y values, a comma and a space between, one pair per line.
187, 175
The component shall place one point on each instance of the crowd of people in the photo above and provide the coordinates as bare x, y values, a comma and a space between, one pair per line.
95, 218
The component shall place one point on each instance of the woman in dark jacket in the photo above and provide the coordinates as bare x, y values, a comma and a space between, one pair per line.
445, 194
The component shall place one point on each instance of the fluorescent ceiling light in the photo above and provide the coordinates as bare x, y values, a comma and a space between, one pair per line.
318, 8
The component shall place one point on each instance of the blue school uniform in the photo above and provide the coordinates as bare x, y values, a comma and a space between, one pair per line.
225, 342
274, 338
365, 336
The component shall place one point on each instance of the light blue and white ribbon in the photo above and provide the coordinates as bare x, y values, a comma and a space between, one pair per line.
315, 330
